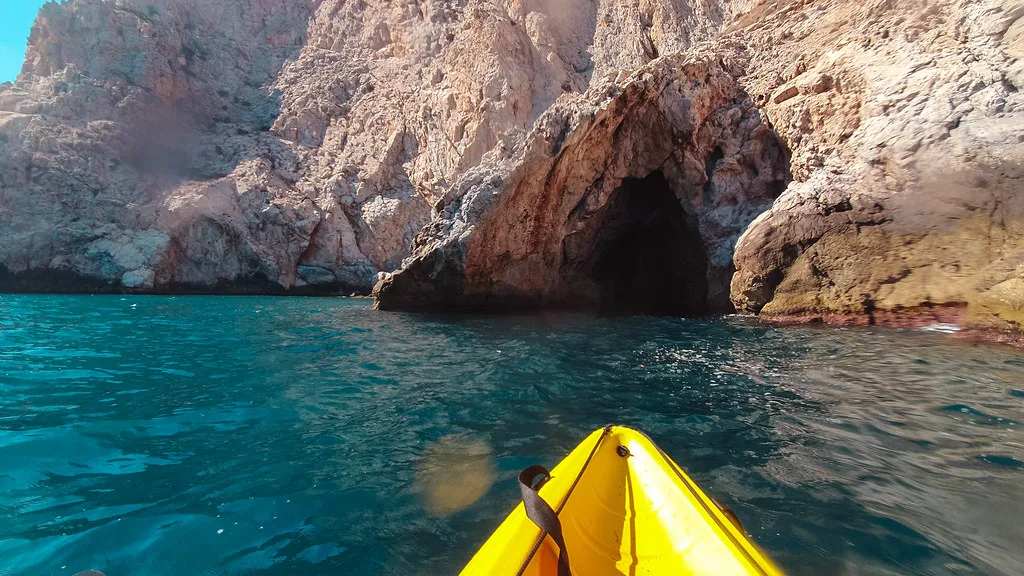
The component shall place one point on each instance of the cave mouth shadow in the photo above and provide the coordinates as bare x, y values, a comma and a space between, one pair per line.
647, 259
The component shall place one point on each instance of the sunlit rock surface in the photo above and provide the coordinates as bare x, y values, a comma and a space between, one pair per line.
229, 145
630, 198
903, 122
852, 161
906, 124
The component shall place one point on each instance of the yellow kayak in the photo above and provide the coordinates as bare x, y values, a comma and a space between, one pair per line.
616, 505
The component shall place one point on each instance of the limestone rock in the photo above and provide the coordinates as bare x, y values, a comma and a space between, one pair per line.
280, 144
907, 204
852, 160
628, 198
903, 122
135, 154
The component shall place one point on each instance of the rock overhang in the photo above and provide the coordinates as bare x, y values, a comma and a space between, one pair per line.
682, 121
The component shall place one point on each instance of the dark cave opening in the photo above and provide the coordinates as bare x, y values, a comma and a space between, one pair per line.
646, 258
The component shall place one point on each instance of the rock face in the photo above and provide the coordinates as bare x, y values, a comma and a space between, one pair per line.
842, 160
903, 122
629, 198
230, 145
135, 151
908, 154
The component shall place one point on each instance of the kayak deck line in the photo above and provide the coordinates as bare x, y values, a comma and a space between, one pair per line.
623, 508
701, 497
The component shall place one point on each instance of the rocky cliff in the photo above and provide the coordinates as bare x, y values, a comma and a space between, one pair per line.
136, 149
233, 145
899, 170
851, 161
631, 198
905, 120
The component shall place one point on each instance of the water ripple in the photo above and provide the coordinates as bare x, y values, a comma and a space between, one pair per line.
282, 436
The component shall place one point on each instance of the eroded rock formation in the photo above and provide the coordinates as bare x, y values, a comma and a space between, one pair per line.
230, 145
904, 123
135, 152
848, 160
629, 198
906, 131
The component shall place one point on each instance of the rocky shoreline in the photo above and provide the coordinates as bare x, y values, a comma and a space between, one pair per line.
839, 161
951, 321
57, 282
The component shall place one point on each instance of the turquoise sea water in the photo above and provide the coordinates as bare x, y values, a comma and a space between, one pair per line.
216, 436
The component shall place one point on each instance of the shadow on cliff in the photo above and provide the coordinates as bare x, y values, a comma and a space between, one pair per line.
645, 252
649, 231
46, 281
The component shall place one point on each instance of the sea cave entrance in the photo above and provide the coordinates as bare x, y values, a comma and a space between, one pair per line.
646, 258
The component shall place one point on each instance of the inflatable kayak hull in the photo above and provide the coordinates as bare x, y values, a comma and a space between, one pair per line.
624, 508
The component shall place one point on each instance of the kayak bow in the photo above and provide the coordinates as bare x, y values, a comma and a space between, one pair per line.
622, 506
